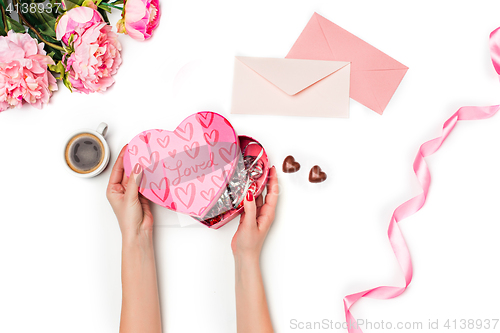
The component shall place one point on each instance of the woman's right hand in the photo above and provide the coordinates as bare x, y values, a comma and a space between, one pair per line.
256, 221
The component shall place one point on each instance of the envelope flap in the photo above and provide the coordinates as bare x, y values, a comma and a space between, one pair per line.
292, 75
348, 47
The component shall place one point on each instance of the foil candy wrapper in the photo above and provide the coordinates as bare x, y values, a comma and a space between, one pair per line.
248, 170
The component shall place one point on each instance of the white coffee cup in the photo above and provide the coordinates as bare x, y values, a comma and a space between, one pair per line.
100, 132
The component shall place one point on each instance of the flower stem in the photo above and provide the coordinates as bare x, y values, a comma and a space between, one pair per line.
54, 46
4, 18
110, 5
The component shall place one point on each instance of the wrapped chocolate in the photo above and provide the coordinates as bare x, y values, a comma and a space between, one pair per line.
202, 168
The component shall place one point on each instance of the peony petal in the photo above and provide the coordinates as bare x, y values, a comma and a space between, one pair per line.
135, 10
61, 26
81, 14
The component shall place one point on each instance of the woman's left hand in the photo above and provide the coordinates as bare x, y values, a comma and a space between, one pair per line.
131, 208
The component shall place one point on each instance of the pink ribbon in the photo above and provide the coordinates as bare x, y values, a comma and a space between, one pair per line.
413, 205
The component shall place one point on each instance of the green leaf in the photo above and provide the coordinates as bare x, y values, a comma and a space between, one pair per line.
56, 54
51, 39
107, 6
57, 7
72, 3
32, 34
42, 22
14, 25
104, 14
103, 7
59, 68
67, 83
63, 74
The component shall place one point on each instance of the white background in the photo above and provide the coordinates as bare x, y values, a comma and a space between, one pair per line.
60, 243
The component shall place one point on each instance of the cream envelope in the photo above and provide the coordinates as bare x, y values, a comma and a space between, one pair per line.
291, 87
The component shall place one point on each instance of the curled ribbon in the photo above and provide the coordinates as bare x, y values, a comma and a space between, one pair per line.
413, 205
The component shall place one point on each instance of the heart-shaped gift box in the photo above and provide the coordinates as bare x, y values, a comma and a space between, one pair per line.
202, 168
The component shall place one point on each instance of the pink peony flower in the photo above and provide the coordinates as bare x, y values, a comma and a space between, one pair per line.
23, 72
139, 18
76, 21
95, 55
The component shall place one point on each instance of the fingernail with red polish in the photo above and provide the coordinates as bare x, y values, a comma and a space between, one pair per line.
249, 196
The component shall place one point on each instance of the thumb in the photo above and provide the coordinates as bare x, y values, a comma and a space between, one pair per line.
249, 218
132, 192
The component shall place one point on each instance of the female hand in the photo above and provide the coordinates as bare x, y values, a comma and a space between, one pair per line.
140, 299
131, 208
252, 313
256, 221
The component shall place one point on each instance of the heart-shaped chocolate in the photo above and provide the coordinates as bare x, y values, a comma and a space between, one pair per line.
290, 165
186, 170
316, 175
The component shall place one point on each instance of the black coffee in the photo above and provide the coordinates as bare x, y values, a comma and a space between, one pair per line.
84, 153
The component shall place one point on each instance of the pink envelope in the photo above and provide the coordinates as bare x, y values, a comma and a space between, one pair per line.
374, 75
